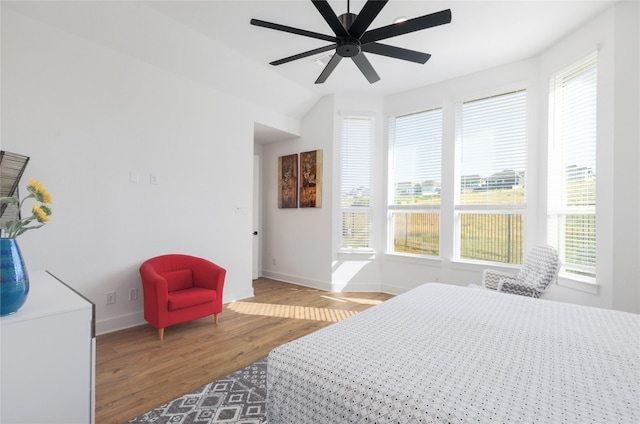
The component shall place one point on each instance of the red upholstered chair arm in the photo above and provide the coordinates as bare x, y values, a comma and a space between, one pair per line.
208, 275
156, 295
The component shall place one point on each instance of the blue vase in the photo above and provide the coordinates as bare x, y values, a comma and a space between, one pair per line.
14, 281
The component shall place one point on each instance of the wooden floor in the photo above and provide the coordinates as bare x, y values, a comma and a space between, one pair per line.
135, 372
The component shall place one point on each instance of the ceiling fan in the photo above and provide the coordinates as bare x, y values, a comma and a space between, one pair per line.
352, 38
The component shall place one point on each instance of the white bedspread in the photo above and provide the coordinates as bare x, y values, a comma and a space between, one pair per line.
448, 354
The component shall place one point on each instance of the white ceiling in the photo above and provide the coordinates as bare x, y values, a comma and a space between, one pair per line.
482, 34
212, 42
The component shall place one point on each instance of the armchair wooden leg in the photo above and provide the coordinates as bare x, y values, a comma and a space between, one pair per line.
215, 318
161, 333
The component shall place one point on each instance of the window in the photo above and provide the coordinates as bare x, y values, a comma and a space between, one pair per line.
415, 151
490, 174
356, 206
572, 166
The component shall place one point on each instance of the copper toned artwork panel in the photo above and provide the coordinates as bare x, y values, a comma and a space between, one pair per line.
288, 181
311, 179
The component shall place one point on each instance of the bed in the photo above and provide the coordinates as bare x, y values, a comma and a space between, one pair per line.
447, 354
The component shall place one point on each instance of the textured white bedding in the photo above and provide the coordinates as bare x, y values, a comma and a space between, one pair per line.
448, 354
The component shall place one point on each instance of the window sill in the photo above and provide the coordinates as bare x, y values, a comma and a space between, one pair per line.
587, 285
469, 265
412, 259
357, 255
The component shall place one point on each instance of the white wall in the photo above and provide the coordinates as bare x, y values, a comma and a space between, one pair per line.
614, 33
89, 116
304, 242
297, 241
352, 271
626, 211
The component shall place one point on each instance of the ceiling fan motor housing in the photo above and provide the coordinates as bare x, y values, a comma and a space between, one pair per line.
348, 47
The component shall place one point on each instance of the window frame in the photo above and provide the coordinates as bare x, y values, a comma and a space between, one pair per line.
556, 198
460, 209
393, 208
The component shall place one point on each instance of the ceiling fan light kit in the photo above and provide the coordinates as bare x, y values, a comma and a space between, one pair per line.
352, 37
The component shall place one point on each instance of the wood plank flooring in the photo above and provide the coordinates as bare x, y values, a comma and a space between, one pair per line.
135, 372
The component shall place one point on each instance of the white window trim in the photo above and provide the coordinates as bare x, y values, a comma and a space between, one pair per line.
567, 279
410, 208
520, 209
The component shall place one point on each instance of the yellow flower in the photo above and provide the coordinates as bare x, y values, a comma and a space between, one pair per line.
40, 193
40, 213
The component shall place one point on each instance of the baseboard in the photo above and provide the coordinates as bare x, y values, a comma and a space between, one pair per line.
119, 323
134, 319
300, 281
137, 318
335, 287
355, 287
393, 289
245, 295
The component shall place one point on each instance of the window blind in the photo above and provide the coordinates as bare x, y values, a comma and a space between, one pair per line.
492, 159
572, 165
415, 150
356, 192
415, 157
493, 147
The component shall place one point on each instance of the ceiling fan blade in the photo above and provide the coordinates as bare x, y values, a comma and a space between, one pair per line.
292, 30
415, 24
369, 11
329, 68
396, 52
303, 55
330, 16
366, 68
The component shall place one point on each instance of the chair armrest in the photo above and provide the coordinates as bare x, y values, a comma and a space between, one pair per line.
152, 282
155, 293
521, 288
492, 279
208, 275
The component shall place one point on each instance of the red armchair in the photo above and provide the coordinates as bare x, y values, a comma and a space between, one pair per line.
180, 288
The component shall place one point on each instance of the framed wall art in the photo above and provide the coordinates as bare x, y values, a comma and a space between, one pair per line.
311, 179
288, 181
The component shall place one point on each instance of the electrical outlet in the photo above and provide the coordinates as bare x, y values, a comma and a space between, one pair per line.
110, 298
133, 294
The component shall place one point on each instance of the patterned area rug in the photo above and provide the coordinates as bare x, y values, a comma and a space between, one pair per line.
238, 398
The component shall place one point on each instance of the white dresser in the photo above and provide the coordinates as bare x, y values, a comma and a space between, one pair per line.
47, 357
